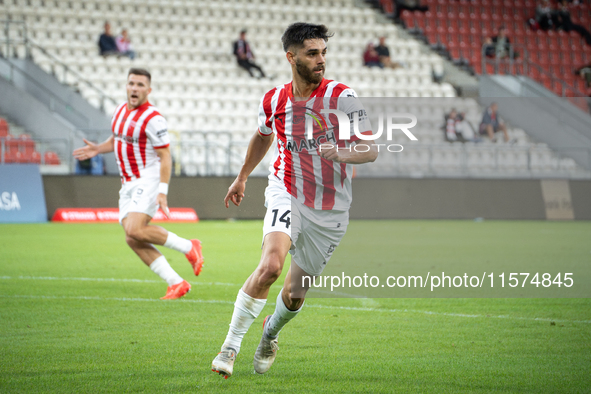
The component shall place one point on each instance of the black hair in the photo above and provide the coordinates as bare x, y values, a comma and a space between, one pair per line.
297, 33
140, 71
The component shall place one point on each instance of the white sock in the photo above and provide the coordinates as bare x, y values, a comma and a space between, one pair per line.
246, 309
177, 243
161, 268
280, 317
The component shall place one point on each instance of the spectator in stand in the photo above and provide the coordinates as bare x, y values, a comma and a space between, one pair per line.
564, 22
545, 16
107, 44
502, 44
492, 123
371, 57
458, 129
451, 134
245, 57
124, 45
384, 54
585, 73
489, 49
411, 5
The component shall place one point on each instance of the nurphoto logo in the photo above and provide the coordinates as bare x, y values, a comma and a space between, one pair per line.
345, 120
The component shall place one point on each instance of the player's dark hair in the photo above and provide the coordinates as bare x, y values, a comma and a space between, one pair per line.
140, 71
297, 33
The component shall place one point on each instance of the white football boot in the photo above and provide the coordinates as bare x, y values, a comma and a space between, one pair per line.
266, 352
224, 362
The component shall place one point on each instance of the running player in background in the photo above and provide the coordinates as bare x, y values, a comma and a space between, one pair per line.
141, 145
309, 191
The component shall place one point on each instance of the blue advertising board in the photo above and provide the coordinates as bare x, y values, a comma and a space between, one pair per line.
22, 199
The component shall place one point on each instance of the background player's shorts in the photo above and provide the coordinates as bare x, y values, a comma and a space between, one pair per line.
315, 234
138, 195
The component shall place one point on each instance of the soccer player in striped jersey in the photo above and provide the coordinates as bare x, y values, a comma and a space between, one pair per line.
309, 191
141, 145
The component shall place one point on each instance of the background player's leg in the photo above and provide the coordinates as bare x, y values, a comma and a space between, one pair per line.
155, 260
137, 226
253, 295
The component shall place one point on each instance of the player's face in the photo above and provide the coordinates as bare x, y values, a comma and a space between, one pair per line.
310, 61
138, 88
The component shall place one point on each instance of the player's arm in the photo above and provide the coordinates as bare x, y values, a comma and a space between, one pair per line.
91, 149
353, 156
257, 149
165, 171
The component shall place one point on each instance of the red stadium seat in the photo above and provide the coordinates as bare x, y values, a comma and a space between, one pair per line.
32, 157
10, 157
51, 158
3, 127
27, 145
464, 35
11, 144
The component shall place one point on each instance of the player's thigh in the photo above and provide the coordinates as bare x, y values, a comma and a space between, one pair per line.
134, 222
276, 245
139, 196
318, 240
280, 215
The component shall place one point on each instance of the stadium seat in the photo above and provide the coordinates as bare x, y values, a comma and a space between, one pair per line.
51, 158
3, 128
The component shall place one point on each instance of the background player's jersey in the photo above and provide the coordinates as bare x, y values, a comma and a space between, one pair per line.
137, 133
297, 166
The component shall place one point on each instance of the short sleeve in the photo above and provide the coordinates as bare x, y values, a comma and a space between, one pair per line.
265, 114
350, 104
157, 132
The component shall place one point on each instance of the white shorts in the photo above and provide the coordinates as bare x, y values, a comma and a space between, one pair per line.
314, 233
139, 195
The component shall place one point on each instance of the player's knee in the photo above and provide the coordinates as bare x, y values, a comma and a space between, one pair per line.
130, 241
135, 233
271, 268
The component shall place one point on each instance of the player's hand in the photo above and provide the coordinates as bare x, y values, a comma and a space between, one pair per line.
235, 193
163, 202
86, 152
329, 152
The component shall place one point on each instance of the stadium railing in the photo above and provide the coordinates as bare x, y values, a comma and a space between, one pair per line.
519, 63
16, 43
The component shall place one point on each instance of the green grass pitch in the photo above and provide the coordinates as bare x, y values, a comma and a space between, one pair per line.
81, 314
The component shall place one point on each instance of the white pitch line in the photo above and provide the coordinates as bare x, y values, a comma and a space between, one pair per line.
347, 308
111, 280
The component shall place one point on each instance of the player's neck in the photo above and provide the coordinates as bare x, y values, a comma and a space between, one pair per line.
132, 107
301, 88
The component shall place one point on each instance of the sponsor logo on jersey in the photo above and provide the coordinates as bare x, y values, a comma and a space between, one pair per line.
310, 144
125, 138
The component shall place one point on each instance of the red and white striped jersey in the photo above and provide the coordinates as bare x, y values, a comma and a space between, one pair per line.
297, 166
137, 133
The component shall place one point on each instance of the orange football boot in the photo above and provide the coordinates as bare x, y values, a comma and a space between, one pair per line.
177, 291
195, 257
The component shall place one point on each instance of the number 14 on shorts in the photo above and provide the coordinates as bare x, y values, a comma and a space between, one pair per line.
282, 219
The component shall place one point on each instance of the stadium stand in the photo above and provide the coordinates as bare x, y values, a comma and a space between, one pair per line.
210, 104
549, 57
17, 147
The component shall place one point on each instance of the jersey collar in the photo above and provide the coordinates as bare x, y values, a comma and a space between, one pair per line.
140, 108
315, 92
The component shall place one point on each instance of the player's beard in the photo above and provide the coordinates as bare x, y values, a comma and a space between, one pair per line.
307, 74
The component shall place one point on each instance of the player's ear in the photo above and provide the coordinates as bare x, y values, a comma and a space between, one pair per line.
290, 57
